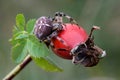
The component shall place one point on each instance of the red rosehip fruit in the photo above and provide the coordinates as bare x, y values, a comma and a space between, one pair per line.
75, 44
67, 39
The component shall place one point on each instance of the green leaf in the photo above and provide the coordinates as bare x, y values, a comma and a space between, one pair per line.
24, 42
30, 26
15, 30
19, 35
35, 48
19, 50
47, 64
20, 22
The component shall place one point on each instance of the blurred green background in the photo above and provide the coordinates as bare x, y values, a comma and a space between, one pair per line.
103, 13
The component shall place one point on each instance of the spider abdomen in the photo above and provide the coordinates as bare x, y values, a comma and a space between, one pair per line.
43, 28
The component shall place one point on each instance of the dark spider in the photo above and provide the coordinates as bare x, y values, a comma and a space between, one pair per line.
46, 27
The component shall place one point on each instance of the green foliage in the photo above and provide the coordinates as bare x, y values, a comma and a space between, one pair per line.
29, 26
24, 42
46, 64
19, 51
20, 22
35, 48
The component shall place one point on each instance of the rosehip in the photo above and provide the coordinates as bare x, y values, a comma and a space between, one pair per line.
71, 35
74, 43
67, 40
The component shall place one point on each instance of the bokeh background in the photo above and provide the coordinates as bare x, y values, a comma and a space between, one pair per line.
103, 13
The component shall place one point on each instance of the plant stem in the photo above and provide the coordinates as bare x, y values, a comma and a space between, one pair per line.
18, 68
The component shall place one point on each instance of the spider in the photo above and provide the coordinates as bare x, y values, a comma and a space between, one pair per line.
82, 49
46, 27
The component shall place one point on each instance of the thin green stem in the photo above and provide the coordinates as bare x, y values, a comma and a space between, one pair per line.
18, 68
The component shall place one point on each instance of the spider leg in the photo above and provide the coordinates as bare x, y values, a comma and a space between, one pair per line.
58, 38
70, 19
62, 41
54, 34
59, 15
49, 37
52, 45
57, 27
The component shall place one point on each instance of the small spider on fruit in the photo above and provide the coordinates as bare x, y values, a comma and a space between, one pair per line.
46, 27
68, 40
80, 47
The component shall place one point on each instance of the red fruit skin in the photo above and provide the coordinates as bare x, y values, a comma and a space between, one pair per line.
72, 35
